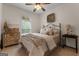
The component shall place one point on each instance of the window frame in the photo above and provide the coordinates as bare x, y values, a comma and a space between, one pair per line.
26, 29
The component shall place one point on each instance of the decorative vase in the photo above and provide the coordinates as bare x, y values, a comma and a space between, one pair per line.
6, 27
68, 29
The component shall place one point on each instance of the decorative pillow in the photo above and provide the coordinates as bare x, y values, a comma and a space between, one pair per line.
56, 31
43, 31
50, 32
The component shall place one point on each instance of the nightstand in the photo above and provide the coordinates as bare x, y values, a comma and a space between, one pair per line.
70, 36
1, 41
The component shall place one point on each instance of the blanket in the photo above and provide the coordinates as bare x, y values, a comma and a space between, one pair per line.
38, 44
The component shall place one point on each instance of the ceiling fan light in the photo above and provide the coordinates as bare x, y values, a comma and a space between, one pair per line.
38, 7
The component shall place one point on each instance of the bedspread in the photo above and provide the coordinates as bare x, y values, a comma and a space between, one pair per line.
37, 44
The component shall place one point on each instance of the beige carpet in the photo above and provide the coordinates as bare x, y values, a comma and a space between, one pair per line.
18, 50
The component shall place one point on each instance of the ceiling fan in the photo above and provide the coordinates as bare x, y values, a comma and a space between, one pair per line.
37, 6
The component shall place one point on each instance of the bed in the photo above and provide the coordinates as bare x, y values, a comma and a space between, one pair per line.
40, 44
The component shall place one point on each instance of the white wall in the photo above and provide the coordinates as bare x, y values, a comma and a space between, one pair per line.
13, 16
65, 14
0, 18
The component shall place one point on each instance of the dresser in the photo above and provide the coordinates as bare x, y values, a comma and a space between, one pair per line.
10, 38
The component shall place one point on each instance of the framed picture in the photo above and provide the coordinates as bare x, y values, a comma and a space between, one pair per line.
51, 17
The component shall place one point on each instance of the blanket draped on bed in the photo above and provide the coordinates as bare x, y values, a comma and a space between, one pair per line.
38, 44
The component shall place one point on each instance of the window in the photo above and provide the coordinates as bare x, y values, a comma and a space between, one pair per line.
26, 25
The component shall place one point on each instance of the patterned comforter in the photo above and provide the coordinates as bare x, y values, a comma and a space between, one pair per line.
37, 44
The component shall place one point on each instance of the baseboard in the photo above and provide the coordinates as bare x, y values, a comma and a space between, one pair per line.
11, 45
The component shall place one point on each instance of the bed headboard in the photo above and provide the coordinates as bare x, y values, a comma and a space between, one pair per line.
54, 26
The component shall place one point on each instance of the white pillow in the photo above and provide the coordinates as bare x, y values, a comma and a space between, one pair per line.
43, 31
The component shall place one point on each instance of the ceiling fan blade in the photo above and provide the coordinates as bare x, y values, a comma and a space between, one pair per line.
45, 3
35, 3
28, 3
43, 9
34, 10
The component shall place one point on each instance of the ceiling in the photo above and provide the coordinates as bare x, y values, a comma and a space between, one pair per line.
31, 7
